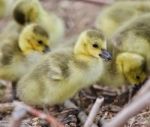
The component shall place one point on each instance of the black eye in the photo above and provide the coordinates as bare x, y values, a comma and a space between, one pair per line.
138, 77
40, 42
95, 45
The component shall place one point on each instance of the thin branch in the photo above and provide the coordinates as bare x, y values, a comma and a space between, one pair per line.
129, 111
93, 112
20, 110
95, 2
40, 114
17, 116
143, 90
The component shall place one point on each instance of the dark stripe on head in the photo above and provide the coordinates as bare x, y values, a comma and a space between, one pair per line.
40, 30
96, 33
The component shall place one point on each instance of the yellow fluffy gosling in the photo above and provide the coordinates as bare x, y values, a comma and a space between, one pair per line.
131, 59
125, 69
63, 72
16, 55
27, 11
111, 18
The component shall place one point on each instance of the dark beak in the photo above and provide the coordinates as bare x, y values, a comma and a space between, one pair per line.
47, 49
106, 55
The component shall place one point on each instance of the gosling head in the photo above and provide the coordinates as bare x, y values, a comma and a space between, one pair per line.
33, 38
92, 43
26, 11
133, 67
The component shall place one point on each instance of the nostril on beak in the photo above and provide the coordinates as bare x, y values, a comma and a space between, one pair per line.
106, 55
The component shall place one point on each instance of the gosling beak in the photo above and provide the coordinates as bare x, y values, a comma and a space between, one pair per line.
47, 49
106, 55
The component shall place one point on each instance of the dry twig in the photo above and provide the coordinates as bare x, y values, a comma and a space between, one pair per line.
20, 111
144, 89
93, 112
141, 101
40, 114
17, 116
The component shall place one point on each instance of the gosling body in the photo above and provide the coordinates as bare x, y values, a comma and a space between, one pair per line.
50, 87
31, 11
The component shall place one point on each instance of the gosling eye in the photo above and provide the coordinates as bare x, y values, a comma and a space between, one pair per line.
95, 45
137, 77
40, 42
